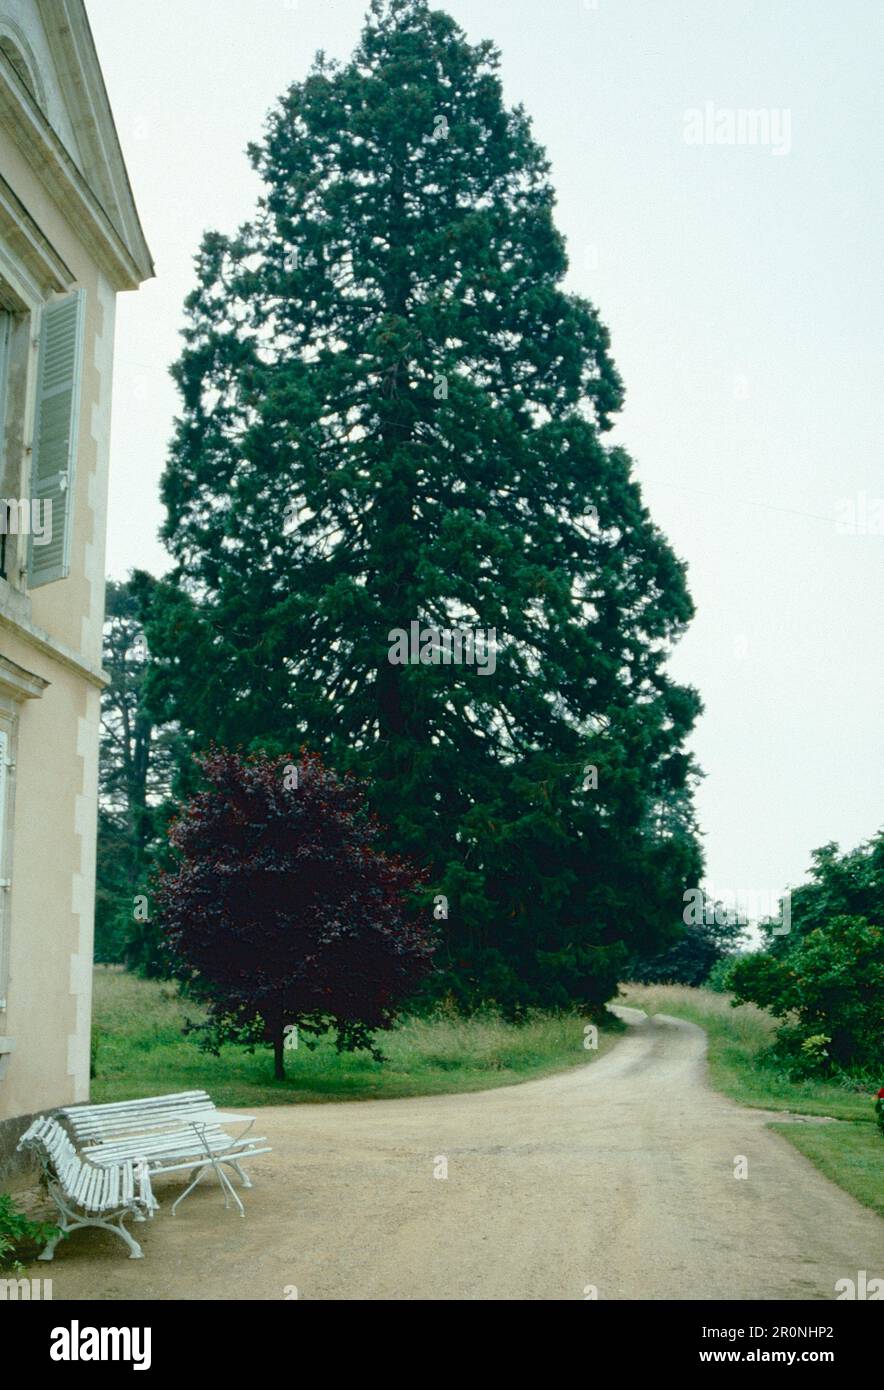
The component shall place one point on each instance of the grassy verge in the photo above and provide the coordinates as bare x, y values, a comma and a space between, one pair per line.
850, 1153
140, 1051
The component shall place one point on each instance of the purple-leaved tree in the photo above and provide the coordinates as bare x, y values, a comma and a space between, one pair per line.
281, 909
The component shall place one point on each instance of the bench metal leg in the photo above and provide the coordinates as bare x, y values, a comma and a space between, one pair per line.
215, 1161
118, 1229
226, 1186
48, 1252
71, 1221
244, 1177
229, 1189
200, 1172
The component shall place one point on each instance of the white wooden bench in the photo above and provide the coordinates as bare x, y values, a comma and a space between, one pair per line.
85, 1194
169, 1134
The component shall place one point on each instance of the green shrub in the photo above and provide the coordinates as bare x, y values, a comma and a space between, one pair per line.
840, 885
18, 1233
828, 988
719, 976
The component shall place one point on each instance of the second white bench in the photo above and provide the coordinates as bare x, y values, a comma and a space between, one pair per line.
168, 1134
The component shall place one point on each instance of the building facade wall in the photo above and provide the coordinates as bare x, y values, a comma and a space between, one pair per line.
55, 633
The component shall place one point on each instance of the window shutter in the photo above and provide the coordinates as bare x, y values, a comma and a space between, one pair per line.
4, 860
5, 320
4, 759
55, 435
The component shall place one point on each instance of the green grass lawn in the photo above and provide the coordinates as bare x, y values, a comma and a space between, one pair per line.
850, 1153
141, 1052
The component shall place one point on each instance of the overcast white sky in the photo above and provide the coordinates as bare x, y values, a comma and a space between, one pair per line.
743, 290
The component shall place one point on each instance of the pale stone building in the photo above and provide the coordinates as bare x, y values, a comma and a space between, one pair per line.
70, 240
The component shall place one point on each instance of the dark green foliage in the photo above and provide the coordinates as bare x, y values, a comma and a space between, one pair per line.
718, 979
698, 950
137, 765
19, 1235
116, 877
825, 976
829, 991
850, 884
392, 412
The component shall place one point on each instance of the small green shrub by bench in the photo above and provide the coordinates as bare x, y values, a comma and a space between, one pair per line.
19, 1233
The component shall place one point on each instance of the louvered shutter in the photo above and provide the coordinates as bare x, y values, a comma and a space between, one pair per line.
4, 759
55, 434
4, 859
5, 321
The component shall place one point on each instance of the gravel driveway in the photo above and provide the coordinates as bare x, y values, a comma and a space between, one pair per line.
617, 1176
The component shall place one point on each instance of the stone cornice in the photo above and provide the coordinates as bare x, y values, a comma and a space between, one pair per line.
40, 145
18, 683
21, 234
51, 647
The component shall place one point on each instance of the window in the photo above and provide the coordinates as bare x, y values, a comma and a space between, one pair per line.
5, 853
17, 684
5, 336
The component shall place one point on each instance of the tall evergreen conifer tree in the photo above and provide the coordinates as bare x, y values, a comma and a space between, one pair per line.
394, 413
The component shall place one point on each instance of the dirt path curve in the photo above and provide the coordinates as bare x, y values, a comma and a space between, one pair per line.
618, 1175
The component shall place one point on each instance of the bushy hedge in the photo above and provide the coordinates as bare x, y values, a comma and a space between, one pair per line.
828, 988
